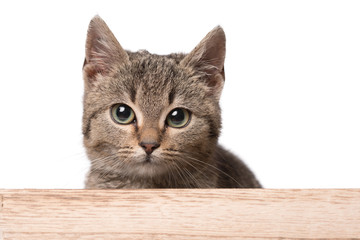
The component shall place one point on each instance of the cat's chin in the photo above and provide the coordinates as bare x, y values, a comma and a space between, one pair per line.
147, 170
148, 166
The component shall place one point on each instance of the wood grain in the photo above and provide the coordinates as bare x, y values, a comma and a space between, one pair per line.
180, 214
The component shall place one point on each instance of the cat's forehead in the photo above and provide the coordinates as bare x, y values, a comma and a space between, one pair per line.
151, 66
155, 76
155, 79
154, 82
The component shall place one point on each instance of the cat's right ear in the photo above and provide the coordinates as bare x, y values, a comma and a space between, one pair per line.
208, 58
103, 52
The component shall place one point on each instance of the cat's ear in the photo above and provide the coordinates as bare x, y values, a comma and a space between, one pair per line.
103, 51
208, 57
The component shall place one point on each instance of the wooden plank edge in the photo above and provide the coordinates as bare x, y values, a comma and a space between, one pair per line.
1, 208
285, 196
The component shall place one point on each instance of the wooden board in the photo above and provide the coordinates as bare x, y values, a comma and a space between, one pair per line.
180, 214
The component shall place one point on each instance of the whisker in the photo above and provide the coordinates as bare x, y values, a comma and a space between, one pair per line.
182, 176
195, 181
199, 171
187, 176
215, 168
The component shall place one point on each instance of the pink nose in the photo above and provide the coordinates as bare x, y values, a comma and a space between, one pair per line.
149, 147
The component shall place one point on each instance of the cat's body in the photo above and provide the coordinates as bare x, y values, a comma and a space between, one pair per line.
153, 121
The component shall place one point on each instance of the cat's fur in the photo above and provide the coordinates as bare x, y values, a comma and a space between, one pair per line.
152, 85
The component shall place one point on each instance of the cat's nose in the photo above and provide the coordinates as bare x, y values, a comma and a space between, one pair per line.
149, 147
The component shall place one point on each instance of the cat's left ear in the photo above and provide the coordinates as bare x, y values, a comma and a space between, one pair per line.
103, 52
208, 57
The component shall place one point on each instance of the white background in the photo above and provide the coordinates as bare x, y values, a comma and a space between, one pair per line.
291, 103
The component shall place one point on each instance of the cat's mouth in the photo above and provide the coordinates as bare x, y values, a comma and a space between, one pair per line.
149, 166
148, 159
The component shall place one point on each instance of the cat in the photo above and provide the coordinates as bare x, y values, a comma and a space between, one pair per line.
153, 121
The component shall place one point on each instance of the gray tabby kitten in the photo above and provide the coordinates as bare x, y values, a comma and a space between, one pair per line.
153, 121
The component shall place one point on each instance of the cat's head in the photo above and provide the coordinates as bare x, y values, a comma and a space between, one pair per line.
146, 115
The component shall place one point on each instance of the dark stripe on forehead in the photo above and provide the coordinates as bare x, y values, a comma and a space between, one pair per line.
132, 94
171, 96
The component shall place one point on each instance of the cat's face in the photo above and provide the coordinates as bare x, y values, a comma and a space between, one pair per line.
148, 115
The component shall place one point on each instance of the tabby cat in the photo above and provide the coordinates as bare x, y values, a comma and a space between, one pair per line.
153, 121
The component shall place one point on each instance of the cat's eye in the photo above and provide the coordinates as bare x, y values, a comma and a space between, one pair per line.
122, 113
178, 118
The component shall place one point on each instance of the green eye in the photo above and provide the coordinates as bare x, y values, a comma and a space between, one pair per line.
178, 118
122, 113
